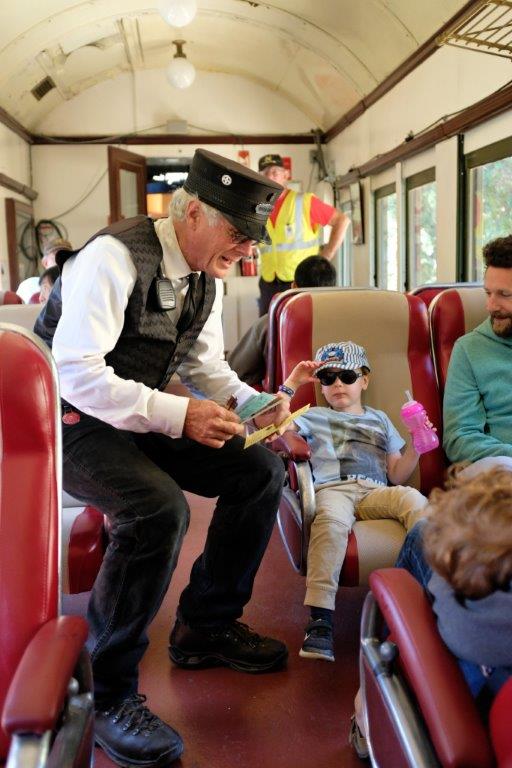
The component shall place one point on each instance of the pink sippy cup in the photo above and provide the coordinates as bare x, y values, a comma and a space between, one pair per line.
413, 416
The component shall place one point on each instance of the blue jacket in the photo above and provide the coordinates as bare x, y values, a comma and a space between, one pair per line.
477, 408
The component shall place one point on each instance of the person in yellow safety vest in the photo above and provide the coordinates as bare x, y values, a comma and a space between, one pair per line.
294, 229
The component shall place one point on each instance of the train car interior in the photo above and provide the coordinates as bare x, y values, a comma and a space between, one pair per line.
389, 123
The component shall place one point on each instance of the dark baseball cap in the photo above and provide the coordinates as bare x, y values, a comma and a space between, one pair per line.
244, 197
267, 160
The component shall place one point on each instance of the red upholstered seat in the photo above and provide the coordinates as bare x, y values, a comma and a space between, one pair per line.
9, 297
453, 313
39, 650
419, 711
429, 291
34, 299
500, 723
273, 377
394, 330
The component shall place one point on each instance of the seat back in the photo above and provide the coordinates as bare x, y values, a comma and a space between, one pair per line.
453, 313
273, 377
9, 297
418, 708
393, 329
24, 315
500, 721
429, 291
30, 492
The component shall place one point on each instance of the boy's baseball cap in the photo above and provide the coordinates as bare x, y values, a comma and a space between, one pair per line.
343, 355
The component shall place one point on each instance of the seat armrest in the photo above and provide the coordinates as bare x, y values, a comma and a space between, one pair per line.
431, 670
499, 724
39, 687
292, 446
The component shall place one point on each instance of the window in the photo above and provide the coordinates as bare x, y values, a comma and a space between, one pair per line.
344, 260
489, 185
386, 238
421, 229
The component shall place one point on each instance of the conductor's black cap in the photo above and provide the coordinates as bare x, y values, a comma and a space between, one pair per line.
244, 197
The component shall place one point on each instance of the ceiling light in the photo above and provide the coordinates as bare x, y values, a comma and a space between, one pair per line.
180, 72
178, 13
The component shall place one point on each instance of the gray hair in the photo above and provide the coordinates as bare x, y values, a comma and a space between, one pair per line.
178, 206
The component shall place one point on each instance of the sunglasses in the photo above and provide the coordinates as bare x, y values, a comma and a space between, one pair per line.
326, 377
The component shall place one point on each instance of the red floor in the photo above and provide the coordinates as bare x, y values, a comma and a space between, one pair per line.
295, 718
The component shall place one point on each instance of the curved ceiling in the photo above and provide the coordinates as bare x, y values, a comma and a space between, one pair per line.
318, 57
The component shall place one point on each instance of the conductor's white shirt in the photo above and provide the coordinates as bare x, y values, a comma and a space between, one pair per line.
96, 286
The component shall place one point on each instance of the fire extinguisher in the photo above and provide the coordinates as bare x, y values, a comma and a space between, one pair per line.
249, 264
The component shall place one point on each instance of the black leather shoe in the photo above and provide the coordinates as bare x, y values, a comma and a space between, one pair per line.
234, 645
132, 735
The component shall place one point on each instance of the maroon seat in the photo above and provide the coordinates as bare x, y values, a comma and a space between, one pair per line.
453, 313
394, 330
500, 722
273, 376
34, 299
9, 297
40, 650
429, 291
418, 709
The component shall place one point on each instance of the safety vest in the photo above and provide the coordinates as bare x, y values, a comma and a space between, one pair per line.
293, 239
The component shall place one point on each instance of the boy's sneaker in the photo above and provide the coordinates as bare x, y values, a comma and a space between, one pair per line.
318, 642
357, 740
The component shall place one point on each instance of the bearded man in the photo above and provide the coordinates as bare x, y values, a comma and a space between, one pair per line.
477, 409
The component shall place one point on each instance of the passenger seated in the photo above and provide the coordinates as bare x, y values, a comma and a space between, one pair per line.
249, 357
462, 555
355, 450
46, 282
477, 406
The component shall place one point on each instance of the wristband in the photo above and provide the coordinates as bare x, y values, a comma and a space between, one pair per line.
287, 390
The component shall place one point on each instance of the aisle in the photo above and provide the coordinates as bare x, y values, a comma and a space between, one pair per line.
295, 718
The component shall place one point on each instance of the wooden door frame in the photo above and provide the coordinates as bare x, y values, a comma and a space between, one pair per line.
120, 159
12, 208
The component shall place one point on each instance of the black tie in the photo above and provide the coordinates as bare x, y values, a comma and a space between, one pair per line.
189, 305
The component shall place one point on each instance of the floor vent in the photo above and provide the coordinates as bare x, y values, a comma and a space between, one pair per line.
42, 88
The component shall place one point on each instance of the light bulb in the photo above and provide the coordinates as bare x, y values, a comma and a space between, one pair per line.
180, 72
178, 13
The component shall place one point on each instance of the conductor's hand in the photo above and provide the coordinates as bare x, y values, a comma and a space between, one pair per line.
211, 424
275, 416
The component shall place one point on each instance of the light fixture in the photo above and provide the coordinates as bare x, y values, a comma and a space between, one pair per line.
178, 13
180, 72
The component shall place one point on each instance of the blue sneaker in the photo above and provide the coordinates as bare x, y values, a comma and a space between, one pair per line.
318, 642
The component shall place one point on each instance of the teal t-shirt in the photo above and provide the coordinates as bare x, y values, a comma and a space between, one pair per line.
348, 444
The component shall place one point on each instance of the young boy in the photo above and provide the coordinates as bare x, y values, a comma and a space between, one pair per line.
355, 450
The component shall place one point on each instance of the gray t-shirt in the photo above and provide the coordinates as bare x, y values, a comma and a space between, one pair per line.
348, 444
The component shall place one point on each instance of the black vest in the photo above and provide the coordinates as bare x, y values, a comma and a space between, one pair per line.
149, 348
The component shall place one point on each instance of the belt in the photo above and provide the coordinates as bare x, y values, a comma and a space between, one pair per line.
360, 477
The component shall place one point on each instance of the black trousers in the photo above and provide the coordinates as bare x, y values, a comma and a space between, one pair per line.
267, 290
137, 480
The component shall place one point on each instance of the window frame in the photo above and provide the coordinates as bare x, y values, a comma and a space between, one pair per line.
378, 194
491, 153
414, 181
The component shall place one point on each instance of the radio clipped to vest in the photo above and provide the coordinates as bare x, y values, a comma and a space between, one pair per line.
162, 293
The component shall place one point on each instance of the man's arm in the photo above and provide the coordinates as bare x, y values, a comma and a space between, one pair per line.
247, 359
96, 287
464, 417
339, 223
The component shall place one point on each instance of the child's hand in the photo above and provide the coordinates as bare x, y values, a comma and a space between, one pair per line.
302, 373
